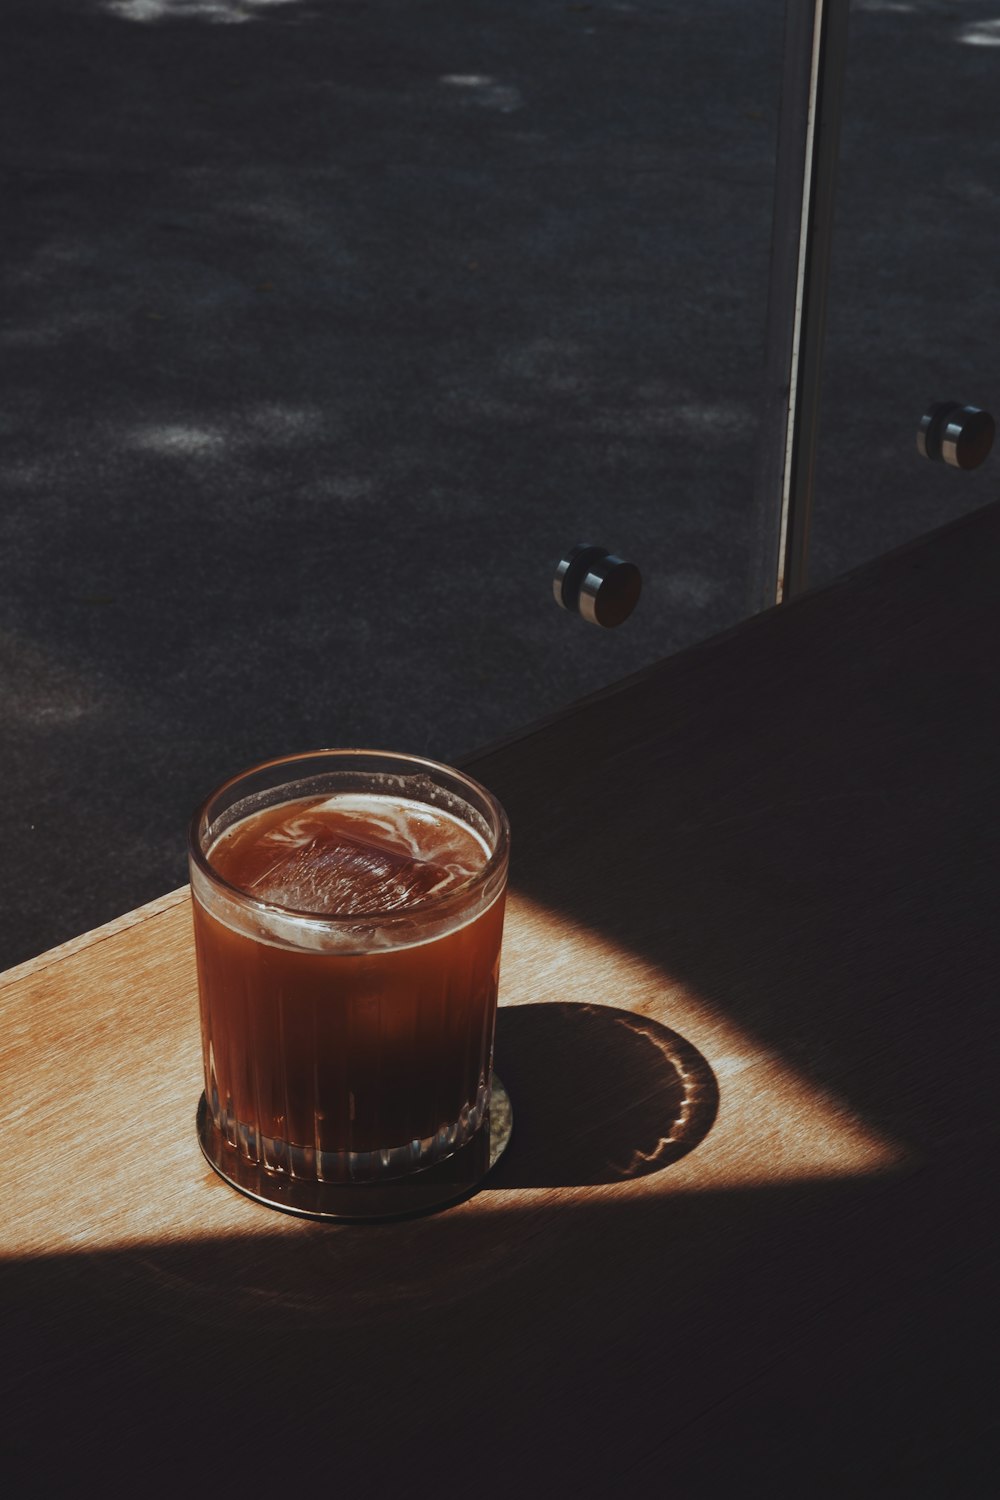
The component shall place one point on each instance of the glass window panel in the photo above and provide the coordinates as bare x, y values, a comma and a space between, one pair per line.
914, 301
329, 328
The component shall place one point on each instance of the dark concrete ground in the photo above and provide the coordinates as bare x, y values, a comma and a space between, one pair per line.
327, 326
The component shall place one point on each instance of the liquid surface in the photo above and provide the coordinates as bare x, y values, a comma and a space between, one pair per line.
349, 855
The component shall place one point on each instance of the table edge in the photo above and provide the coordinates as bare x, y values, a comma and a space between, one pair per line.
73, 946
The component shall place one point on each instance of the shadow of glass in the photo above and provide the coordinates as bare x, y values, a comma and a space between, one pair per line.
630, 1095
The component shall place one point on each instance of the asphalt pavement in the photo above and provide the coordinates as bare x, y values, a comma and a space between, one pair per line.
327, 327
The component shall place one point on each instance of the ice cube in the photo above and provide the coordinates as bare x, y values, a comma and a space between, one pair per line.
350, 855
333, 874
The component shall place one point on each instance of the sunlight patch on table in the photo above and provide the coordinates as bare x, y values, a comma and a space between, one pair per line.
101, 1073
774, 1125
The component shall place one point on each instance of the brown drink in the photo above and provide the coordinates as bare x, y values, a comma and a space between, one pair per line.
348, 946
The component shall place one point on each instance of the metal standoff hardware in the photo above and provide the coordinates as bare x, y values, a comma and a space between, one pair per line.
594, 583
950, 433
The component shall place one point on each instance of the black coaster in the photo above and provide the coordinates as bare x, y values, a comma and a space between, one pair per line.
397, 1197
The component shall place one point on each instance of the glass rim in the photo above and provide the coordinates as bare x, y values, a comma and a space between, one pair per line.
427, 906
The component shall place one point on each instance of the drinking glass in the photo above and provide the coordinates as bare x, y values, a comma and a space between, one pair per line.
348, 981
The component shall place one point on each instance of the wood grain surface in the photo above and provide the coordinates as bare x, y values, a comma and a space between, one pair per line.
742, 1236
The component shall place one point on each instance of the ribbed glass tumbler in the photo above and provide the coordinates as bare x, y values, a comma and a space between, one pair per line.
348, 913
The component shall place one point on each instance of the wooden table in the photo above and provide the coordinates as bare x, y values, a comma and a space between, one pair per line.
741, 1240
